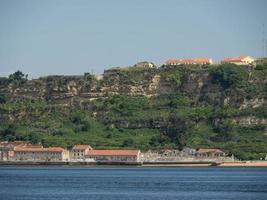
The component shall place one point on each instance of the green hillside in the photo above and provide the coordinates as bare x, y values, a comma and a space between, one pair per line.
213, 106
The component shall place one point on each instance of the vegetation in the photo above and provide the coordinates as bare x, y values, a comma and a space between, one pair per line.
167, 120
228, 75
18, 78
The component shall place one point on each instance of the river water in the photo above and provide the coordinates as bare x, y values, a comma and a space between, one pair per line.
132, 183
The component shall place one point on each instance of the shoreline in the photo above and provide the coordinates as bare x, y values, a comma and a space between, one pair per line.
146, 164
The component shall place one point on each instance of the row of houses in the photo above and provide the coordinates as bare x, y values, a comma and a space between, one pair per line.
239, 60
19, 151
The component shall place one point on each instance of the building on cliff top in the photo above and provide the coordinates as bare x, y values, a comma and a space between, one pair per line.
189, 61
240, 60
78, 152
145, 64
113, 156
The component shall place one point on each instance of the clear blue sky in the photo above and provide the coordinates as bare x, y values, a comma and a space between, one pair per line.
42, 37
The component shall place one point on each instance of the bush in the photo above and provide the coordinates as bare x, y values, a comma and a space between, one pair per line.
178, 100
261, 67
128, 142
3, 99
18, 78
175, 77
225, 131
228, 75
35, 138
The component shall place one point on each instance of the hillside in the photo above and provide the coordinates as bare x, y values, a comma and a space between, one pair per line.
142, 106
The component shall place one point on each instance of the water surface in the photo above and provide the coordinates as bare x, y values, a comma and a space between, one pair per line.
131, 183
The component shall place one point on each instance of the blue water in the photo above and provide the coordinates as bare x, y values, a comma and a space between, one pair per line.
110, 183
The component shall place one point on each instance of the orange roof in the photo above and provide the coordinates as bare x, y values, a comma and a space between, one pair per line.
40, 149
209, 151
190, 60
81, 147
234, 59
112, 153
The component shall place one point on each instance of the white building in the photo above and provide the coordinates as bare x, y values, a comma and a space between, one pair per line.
40, 153
78, 152
189, 61
240, 60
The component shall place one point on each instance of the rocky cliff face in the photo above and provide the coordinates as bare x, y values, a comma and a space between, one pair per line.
195, 82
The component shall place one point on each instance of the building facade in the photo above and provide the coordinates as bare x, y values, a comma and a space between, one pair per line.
204, 153
113, 156
240, 60
7, 149
40, 153
189, 61
78, 152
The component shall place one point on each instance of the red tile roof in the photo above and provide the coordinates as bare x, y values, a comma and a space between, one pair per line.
113, 153
190, 60
39, 149
234, 59
81, 147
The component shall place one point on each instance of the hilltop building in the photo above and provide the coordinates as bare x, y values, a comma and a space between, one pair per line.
240, 60
39, 153
190, 61
113, 156
145, 64
78, 152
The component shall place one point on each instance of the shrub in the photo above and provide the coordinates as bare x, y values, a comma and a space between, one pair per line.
261, 67
128, 142
228, 75
3, 99
18, 78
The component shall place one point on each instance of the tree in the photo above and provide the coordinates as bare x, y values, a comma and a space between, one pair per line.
225, 131
127, 142
3, 99
35, 138
18, 78
177, 128
228, 75
178, 100
175, 77
9, 133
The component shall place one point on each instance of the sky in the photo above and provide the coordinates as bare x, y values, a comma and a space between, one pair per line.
71, 37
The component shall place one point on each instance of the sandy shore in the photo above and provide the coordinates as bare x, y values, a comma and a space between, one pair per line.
214, 164
244, 164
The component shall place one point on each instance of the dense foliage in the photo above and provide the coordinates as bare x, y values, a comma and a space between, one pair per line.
230, 75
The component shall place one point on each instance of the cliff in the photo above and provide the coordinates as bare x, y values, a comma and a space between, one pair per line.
142, 107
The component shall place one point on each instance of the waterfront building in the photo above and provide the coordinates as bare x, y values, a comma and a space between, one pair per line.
7, 149
189, 61
203, 153
113, 156
240, 60
39, 153
78, 152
